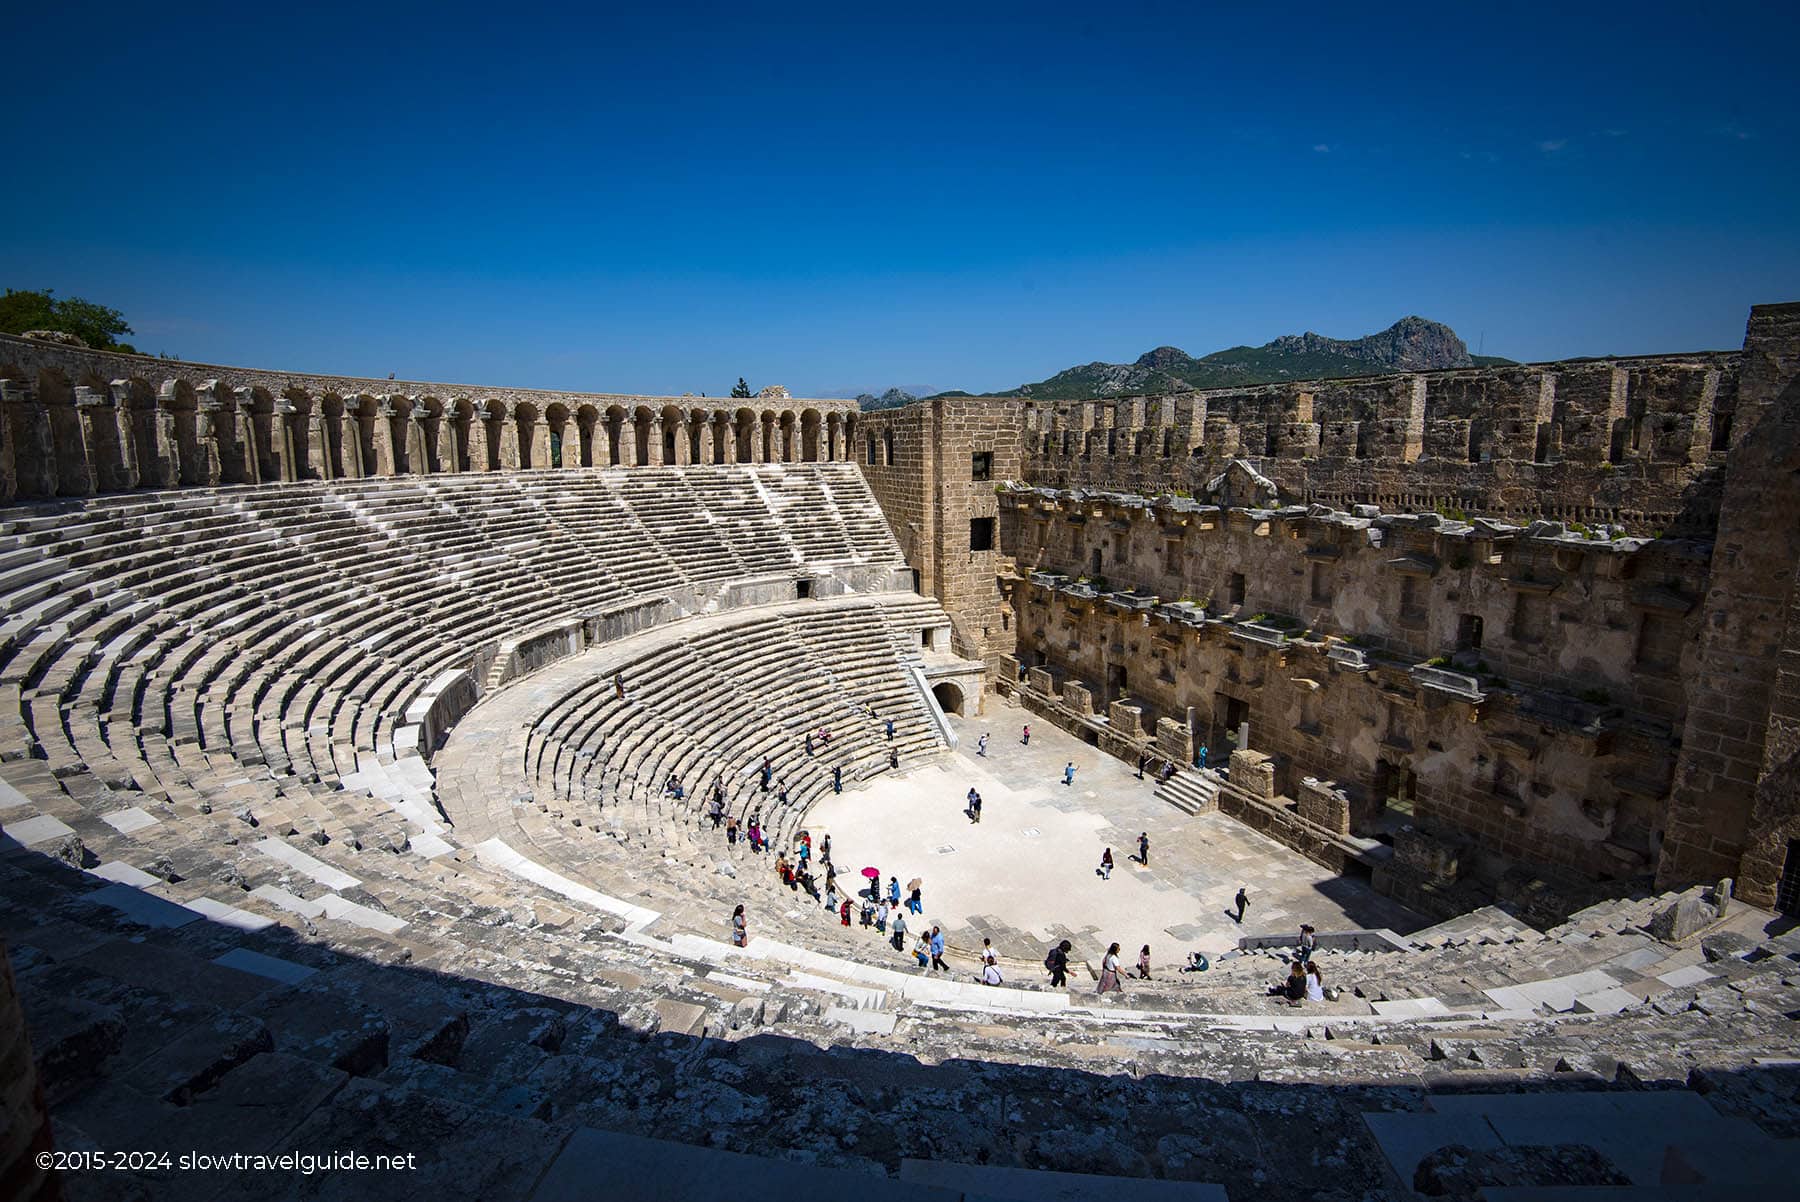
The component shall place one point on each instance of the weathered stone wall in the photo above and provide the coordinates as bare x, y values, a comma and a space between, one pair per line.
1734, 805
75, 422
1634, 441
921, 462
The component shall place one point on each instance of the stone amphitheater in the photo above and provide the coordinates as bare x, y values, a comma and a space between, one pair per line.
341, 724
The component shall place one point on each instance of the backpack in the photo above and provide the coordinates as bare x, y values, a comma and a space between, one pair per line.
1050, 959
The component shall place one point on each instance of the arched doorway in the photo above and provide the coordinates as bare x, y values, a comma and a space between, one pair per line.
949, 697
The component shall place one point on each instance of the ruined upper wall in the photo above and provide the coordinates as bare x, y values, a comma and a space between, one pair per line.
1634, 440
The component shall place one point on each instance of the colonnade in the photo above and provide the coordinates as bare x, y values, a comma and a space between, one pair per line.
75, 441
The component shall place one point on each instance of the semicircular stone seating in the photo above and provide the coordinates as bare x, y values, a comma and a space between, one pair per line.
216, 748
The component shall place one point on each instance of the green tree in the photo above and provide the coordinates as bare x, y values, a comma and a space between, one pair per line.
740, 389
96, 325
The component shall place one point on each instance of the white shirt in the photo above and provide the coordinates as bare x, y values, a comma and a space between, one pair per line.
1315, 990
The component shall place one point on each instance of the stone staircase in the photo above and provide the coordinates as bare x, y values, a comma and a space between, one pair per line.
1190, 790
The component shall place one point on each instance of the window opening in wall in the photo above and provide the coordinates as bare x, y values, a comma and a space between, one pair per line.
1468, 632
1321, 583
981, 534
1721, 432
1094, 564
1363, 438
981, 465
887, 441
802, 589
1172, 557
871, 450
918, 581
1234, 592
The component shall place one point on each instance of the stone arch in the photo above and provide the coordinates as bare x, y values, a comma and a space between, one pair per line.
533, 436
724, 438
428, 427
949, 696
336, 452
361, 414
587, 421
670, 435
461, 416
67, 461
745, 436
562, 449
809, 436
151, 447
619, 436
176, 398
698, 436
640, 435
292, 429
788, 437
256, 410
492, 417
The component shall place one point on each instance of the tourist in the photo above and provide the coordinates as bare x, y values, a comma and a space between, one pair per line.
731, 830
619, 685
922, 950
1057, 961
981, 745
915, 903
1303, 949
1243, 903
831, 895
867, 913
975, 807
893, 888
881, 916
1167, 774
1143, 964
990, 974
809, 746
890, 730
1106, 865
768, 773
1069, 773
893, 758
937, 950
1293, 989
785, 871
1025, 738
830, 877
825, 851
740, 929
844, 913
756, 835
1143, 758
781, 794
716, 810
837, 778
805, 852
990, 963
899, 939
1109, 972
1200, 757
1143, 855
972, 796
806, 881
825, 735
1315, 983
1196, 962
988, 954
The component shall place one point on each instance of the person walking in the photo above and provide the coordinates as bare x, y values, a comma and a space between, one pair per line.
837, 778
1143, 964
825, 851
893, 758
1144, 848
1069, 773
899, 937
1303, 948
831, 895
1057, 961
1109, 972
1143, 758
915, 903
881, 916
975, 808
1200, 757
981, 745
1025, 738
893, 888
972, 796
619, 685
1106, 865
716, 810
809, 745
768, 773
844, 913
731, 830
740, 927
890, 730
937, 951
781, 794
756, 835
1243, 903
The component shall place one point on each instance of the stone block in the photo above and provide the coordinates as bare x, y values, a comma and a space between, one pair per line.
1324, 803
1127, 719
1077, 697
1254, 773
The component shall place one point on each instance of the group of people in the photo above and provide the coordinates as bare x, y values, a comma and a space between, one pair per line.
1057, 961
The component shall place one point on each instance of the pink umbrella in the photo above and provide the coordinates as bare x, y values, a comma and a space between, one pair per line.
873, 874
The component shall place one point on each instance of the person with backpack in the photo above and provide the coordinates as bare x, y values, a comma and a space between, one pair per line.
740, 927
1057, 961
899, 937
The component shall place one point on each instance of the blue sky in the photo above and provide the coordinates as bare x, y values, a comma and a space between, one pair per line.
663, 200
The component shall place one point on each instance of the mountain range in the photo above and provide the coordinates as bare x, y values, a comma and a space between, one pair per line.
1410, 344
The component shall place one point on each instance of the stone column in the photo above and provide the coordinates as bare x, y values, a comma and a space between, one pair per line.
833, 427
540, 443
628, 441
509, 440
127, 433
478, 441
281, 430
387, 455
760, 451
99, 439
731, 437
654, 443
416, 458
168, 442
244, 410
206, 434
28, 434
684, 441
